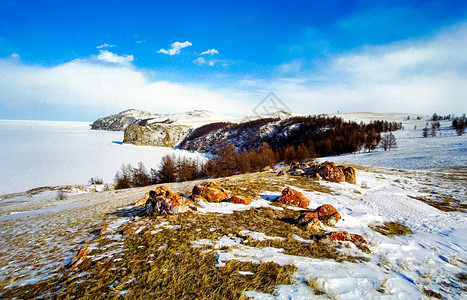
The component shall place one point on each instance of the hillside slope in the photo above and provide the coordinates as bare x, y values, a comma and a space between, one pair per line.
228, 250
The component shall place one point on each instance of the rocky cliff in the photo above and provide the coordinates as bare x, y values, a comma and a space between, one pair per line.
157, 134
122, 120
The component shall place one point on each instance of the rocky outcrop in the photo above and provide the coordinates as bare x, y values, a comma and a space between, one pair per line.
164, 201
290, 196
157, 134
327, 171
209, 192
122, 120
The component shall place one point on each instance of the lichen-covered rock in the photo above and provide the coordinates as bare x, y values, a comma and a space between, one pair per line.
328, 214
163, 200
210, 192
156, 134
266, 169
344, 236
239, 200
290, 196
309, 220
349, 174
327, 171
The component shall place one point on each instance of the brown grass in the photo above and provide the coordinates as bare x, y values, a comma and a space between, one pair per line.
180, 271
392, 228
443, 203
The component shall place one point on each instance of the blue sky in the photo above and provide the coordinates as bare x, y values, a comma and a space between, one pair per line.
80, 60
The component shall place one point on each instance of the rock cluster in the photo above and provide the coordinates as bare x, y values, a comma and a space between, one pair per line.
328, 215
163, 200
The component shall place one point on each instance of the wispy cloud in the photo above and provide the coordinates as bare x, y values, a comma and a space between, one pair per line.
15, 56
210, 51
202, 61
420, 75
110, 57
175, 48
105, 45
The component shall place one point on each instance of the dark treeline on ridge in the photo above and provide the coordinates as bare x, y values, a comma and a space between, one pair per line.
241, 148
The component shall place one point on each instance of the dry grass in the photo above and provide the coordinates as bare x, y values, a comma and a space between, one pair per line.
431, 294
392, 228
443, 203
179, 271
252, 185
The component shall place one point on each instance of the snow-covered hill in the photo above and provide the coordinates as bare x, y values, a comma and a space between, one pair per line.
41, 234
446, 149
122, 120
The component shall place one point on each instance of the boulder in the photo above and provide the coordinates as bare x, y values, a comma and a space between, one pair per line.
343, 236
239, 200
156, 134
290, 196
309, 220
266, 169
210, 192
282, 173
328, 214
327, 170
163, 200
349, 174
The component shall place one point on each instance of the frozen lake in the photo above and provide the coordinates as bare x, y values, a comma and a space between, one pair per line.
42, 153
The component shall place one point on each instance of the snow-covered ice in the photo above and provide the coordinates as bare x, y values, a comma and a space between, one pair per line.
39, 153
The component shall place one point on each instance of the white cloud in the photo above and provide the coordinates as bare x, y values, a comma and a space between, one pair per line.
15, 56
105, 45
210, 51
94, 86
421, 76
108, 56
175, 48
202, 61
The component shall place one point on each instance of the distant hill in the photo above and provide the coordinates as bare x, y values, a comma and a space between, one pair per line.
120, 121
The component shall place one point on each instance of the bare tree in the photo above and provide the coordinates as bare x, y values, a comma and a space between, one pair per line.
388, 141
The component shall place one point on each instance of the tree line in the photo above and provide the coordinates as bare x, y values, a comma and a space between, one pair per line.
311, 137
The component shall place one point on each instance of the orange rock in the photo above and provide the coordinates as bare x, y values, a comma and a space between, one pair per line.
131, 230
310, 220
210, 191
306, 217
328, 214
290, 196
239, 200
104, 229
344, 236
83, 251
163, 200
